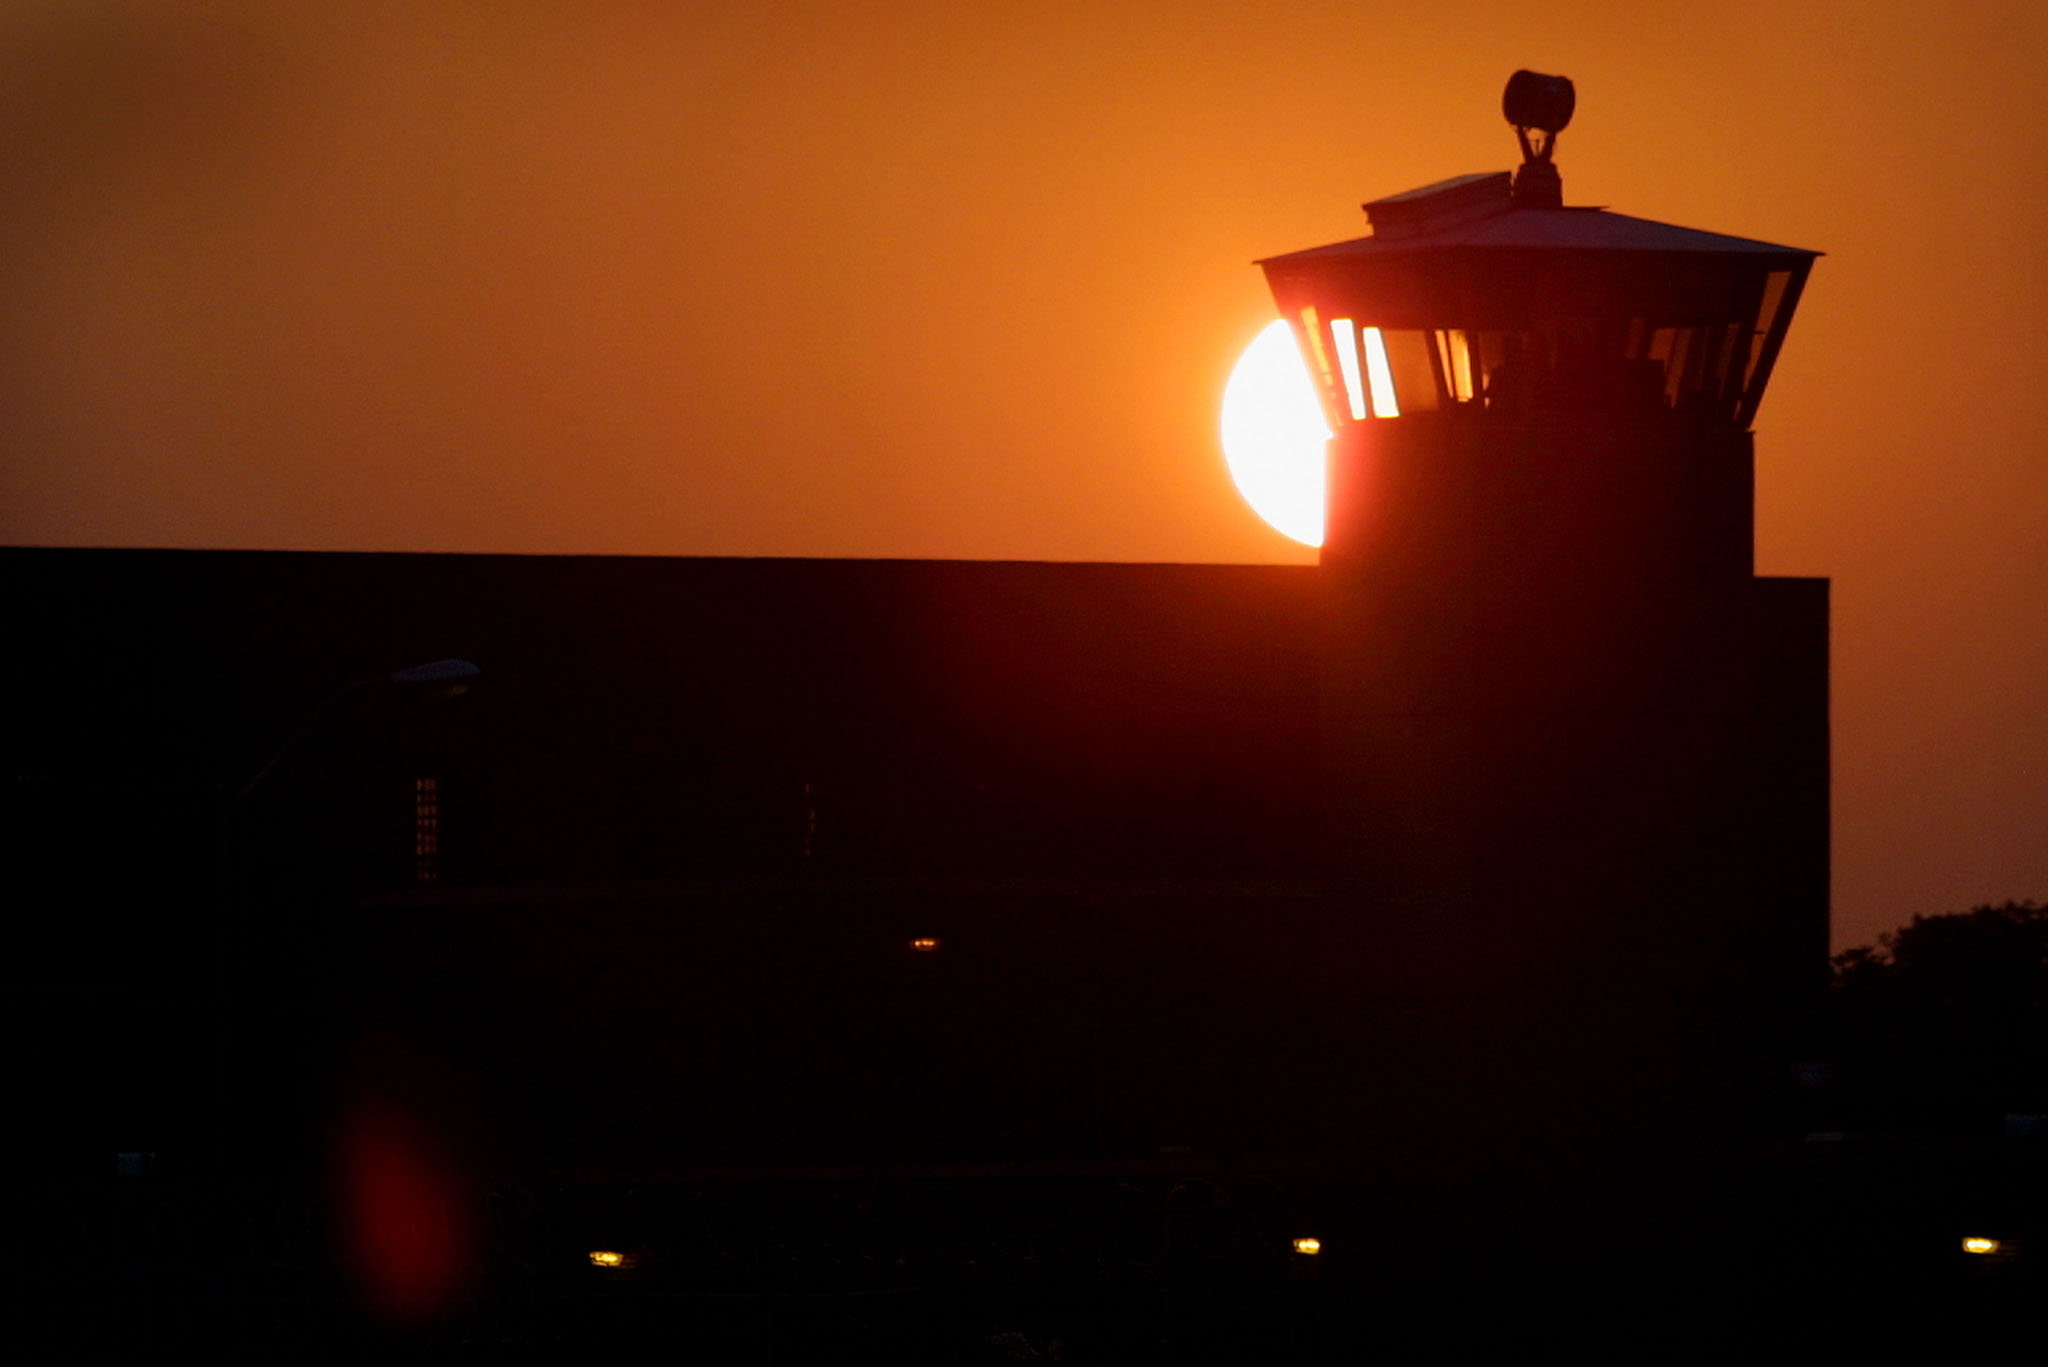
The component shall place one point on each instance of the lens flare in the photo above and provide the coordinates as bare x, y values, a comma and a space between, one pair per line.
1274, 435
403, 1213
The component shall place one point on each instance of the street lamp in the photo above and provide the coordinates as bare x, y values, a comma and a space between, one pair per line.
445, 677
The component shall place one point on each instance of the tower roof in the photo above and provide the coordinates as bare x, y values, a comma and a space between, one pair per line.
1476, 211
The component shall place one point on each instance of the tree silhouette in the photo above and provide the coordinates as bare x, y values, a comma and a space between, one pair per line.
1943, 1024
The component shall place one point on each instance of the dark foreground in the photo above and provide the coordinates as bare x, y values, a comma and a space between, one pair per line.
1177, 1260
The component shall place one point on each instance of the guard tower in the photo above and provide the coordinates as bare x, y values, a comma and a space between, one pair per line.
1577, 749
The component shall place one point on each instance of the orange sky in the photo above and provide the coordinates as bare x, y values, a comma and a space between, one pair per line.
925, 279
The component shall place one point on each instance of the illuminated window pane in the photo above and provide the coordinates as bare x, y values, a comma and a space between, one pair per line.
1411, 360
1454, 353
1461, 366
1381, 376
1317, 350
1345, 334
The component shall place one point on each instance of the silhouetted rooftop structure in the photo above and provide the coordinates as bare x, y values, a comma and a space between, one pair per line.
1484, 862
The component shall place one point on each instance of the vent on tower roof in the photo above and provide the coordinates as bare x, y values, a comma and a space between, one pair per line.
1447, 204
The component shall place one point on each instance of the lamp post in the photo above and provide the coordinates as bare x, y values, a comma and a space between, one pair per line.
1579, 750
446, 677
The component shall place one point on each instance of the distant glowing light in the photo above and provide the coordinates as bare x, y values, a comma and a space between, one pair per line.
607, 1258
1274, 434
925, 944
1980, 1245
1308, 1247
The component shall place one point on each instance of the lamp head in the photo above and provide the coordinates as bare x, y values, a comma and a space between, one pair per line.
443, 678
439, 671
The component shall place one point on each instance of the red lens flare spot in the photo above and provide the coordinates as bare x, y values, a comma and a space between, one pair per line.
404, 1222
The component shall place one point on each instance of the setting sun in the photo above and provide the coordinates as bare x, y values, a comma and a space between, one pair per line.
1274, 435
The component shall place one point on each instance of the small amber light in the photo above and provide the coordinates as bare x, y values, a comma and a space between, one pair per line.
606, 1258
1977, 1245
1308, 1247
925, 944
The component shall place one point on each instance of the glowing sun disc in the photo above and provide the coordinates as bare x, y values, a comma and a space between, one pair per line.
1274, 435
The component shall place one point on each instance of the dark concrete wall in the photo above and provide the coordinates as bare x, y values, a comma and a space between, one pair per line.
641, 718
1408, 857
1581, 761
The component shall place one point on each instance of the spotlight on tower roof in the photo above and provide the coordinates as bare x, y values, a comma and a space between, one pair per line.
1533, 100
1539, 107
